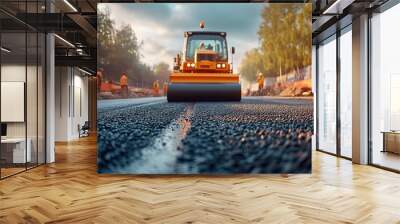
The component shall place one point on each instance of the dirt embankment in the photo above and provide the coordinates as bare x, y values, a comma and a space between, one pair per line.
287, 89
298, 88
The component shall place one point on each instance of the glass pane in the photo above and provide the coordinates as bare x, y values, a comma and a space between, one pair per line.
346, 94
13, 86
385, 86
41, 98
31, 98
327, 96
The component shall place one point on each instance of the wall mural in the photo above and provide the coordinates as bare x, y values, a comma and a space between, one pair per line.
204, 88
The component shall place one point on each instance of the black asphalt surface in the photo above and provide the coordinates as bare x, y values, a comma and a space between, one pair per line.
256, 135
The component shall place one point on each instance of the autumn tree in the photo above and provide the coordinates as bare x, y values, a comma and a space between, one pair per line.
125, 53
285, 41
105, 33
161, 71
251, 65
285, 36
119, 52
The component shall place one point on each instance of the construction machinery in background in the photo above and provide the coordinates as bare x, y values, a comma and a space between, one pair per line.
202, 71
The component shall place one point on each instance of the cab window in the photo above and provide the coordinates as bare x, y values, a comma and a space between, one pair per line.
209, 42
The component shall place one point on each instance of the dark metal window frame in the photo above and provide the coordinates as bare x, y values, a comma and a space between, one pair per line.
338, 34
29, 29
381, 9
389, 4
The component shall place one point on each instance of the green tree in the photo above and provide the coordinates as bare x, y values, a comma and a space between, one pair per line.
119, 52
251, 65
105, 33
285, 37
162, 71
125, 53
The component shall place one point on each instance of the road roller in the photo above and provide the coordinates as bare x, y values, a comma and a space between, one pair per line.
202, 71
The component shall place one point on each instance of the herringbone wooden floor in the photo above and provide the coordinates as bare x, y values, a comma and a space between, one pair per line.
70, 191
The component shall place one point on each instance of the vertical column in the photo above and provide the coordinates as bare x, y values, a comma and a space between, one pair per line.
314, 90
338, 91
92, 102
63, 103
50, 92
360, 90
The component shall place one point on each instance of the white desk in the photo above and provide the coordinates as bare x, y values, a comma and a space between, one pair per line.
18, 149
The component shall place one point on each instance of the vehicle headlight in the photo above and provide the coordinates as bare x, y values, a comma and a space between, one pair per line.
218, 65
223, 65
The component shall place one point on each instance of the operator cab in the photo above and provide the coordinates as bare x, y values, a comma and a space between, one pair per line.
204, 51
211, 41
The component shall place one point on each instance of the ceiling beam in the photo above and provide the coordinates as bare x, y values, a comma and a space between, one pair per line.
49, 22
337, 7
84, 24
76, 61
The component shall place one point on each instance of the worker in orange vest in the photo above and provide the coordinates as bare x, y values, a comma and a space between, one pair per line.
260, 81
156, 88
123, 82
165, 88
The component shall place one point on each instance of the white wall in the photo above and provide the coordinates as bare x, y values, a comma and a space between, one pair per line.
81, 103
12, 73
33, 126
71, 94
62, 81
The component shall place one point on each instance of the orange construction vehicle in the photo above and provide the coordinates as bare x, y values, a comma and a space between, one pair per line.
165, 88
202, 71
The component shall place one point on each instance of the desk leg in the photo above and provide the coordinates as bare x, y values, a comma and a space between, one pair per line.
384, 143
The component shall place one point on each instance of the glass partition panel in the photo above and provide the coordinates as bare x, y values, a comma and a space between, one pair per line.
385, 89
327, 96
41, 99
22, 77
31, 98
14, 153
346, 93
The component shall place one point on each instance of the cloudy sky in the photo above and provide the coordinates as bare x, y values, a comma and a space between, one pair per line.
161, 26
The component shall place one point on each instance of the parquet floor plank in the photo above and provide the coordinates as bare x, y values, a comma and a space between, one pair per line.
70, 191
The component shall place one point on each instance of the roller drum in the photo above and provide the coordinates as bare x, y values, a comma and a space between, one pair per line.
189, 92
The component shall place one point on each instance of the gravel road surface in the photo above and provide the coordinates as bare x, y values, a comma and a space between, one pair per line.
256, 135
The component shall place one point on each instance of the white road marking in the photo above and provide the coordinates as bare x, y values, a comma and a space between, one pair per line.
160, 156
